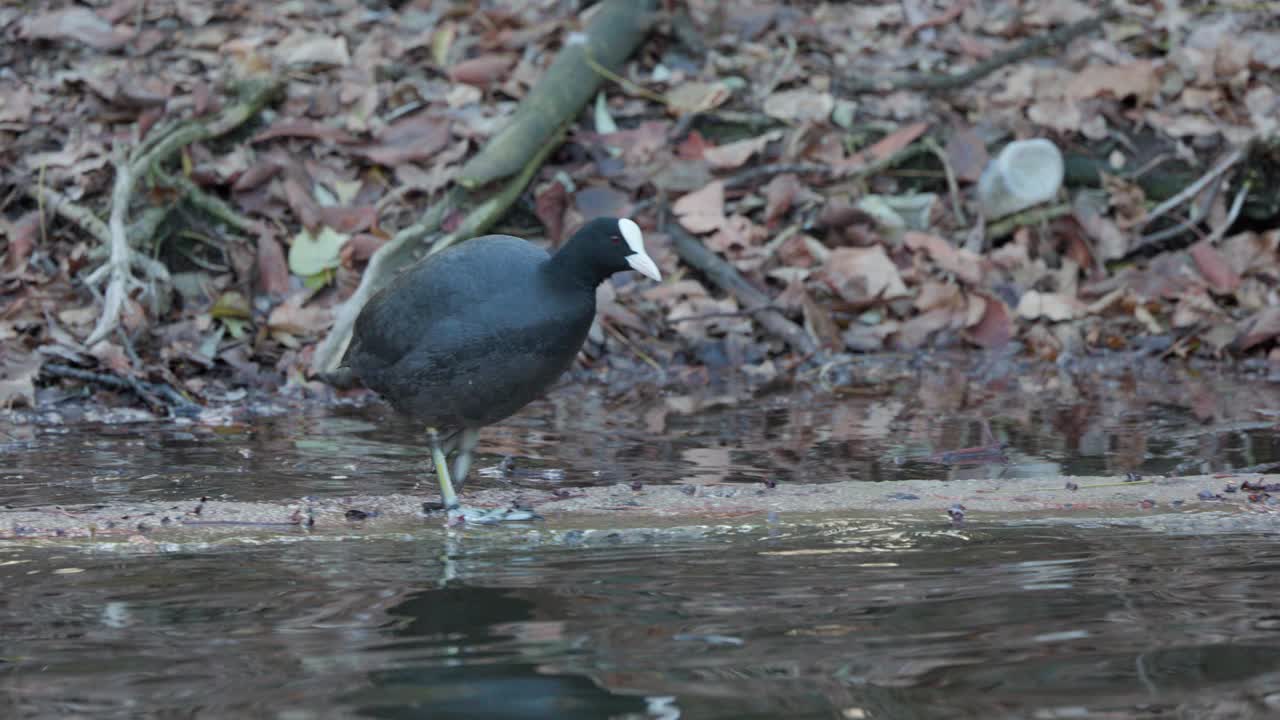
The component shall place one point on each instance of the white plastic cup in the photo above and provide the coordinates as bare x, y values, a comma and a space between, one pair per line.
1025, 173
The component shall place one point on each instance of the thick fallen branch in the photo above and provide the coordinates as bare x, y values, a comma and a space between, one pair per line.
727, 278
617, 29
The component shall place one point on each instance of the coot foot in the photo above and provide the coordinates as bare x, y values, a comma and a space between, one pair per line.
490, 516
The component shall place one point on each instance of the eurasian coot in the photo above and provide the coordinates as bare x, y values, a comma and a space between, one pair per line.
470, 335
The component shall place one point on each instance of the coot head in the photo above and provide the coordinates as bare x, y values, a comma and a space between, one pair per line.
605, 246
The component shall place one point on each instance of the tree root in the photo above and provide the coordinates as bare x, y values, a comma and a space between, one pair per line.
146, 159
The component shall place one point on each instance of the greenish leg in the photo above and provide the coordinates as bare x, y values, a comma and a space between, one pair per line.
447, 495
467, 440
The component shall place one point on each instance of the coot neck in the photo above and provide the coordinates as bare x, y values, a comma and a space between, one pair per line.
573, 265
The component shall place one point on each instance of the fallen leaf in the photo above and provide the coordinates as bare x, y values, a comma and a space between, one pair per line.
800, 106
307, 49
1139, 79
301, 128
347, 219
1213, 267
481, 71
995, 328
779, 194
77, 23
360, 248
18, 372
112, 357
272, 269
1050, 306
293, 318
596, 201
417, 137
697, 97
549, 205
702, 211
965, 265
894, 142
312, 254
967, 154
733, 155
1258, 328
21, 235
863, 274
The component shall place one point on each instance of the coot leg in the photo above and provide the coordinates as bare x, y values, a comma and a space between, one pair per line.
447, 495
467, 440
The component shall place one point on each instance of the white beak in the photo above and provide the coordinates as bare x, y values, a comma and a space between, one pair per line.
643, 264
639, 260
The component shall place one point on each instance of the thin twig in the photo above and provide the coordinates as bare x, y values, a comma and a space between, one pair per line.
1194, 188
953, 187
937, 82
141, 387
604, 72
1034, 216
1232, 214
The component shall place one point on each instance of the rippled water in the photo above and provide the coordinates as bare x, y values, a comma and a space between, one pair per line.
849, 620
785, 619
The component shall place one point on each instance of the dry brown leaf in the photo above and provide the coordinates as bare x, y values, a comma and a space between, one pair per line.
779, 194
967, 154
696, 97
76, 23
292, 317
894, 142
1139, 79
702, 211
18, 372
862, 274
995, 328
549, 205
21, 239
112, 357
965, 265
803, 105
347, 219
1050, 306
303, 128
1213, 267
733, 155
272, 268
1258, 328
302, 48
600, 201
483, 70
417, 137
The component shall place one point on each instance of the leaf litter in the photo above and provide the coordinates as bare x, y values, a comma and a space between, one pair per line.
786, 138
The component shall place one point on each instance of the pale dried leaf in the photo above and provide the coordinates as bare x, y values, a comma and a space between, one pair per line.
702, 211
800, 105
862, 274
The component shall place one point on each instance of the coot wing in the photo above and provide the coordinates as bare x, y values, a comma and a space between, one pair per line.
401, 315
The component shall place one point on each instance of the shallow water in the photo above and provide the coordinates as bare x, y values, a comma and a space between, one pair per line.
783, 619
848, 620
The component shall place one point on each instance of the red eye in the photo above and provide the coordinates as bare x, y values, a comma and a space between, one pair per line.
616, 239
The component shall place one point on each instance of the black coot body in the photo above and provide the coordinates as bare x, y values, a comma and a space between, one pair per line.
470, 335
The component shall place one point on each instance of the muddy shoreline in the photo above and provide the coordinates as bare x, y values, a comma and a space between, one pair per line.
1202, 501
